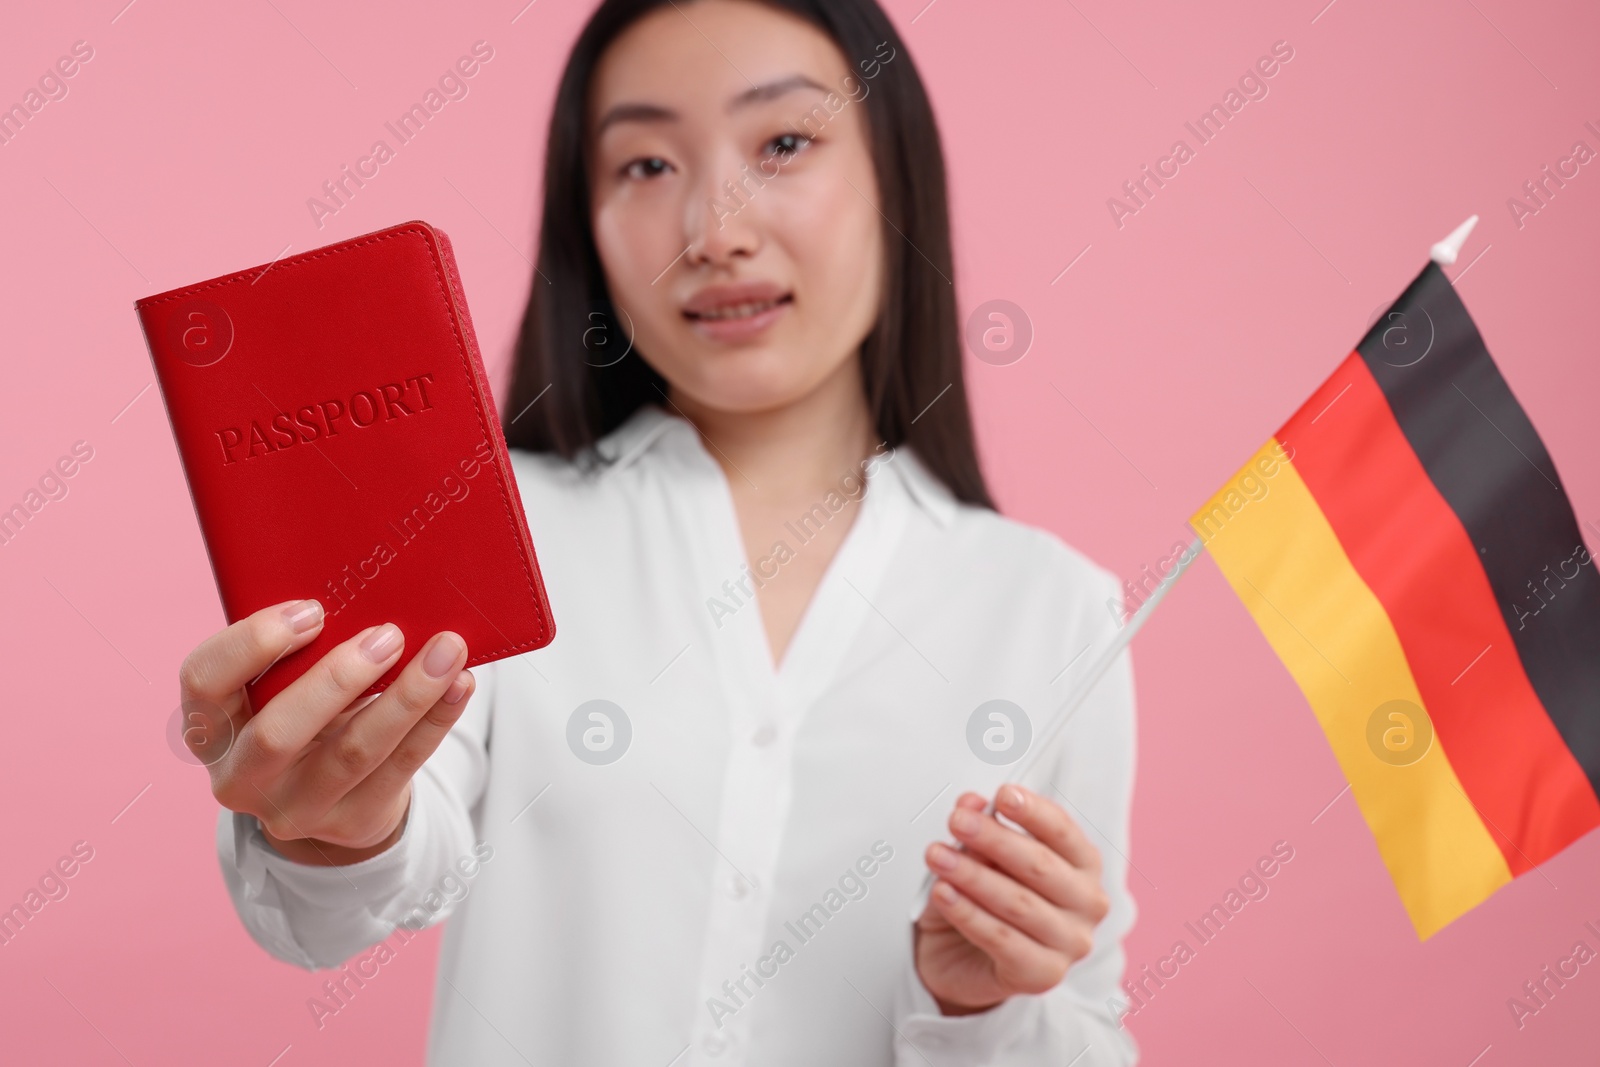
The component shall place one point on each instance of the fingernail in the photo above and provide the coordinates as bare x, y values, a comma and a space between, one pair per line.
458, 688
441, 655
1012, 798
963, 821
302, 615
382, 643
943, 858
945, 894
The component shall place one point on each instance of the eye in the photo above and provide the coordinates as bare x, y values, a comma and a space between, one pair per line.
786, 146
648, 167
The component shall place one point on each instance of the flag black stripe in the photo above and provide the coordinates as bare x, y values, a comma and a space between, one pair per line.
1485, 457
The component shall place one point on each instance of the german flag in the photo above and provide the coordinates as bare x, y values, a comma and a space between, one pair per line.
1406, 547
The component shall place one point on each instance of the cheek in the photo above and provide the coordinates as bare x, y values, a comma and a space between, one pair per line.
833, 233
624, 234
636, 242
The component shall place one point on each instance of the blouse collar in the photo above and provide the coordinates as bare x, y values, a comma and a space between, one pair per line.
651, 426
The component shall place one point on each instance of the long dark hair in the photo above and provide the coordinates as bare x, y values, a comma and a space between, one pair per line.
910, 361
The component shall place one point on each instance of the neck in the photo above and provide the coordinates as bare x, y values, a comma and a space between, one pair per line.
795, 448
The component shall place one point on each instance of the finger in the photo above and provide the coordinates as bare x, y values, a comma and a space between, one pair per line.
1050, 823
1027, 860
972, 802
1020, 963
276, 735
336, 723
413, 751
1008, 900
345, 758
221, 664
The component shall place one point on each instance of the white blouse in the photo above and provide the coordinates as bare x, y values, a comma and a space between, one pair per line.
656, 850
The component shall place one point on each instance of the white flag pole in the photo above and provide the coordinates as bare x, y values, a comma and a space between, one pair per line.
1103, 664
1064, 713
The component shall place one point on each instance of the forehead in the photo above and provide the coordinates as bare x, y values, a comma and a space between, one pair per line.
693, 58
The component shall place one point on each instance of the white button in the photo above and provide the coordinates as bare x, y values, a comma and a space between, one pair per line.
764, 735
714, 1044
738, 888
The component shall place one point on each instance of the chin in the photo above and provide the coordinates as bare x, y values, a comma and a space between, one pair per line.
744, 380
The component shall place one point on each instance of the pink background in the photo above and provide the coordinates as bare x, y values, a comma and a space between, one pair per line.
189, 144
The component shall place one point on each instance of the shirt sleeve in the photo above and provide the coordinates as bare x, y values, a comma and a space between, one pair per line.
1077, 1022
318, 917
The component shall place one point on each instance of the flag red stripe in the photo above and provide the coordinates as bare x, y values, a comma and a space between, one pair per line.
1411, 549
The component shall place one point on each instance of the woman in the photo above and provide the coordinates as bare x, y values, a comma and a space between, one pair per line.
791, 626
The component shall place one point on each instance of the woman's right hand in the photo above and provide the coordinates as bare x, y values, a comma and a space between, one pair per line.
328, 775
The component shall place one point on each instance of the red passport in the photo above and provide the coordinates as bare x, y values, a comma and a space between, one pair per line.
340, 442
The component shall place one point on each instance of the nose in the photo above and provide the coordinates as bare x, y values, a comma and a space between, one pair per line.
721, 220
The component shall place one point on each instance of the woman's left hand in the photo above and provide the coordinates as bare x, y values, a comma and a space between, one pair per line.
1014, 911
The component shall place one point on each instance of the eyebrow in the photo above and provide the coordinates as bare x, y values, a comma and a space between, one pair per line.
755, 94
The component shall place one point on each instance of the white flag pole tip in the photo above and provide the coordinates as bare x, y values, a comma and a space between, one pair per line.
1445, 252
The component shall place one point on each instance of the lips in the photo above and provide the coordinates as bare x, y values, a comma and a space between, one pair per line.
737, 311
732, 303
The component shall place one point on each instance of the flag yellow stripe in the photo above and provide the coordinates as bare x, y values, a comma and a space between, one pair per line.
1283, 559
